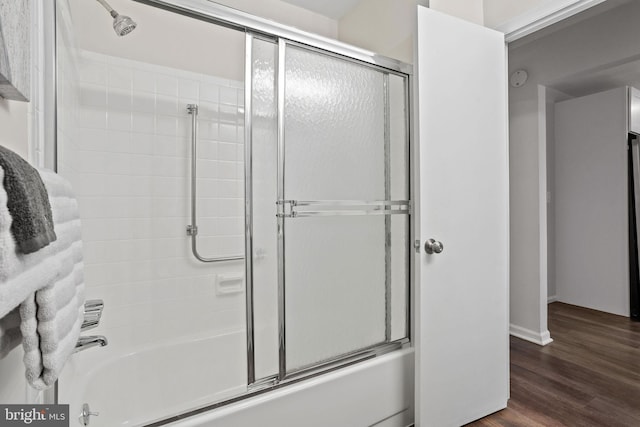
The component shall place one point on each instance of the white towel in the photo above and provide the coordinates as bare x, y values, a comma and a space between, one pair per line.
47, 285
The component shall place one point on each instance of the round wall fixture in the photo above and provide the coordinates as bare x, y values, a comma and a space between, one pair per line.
518, 78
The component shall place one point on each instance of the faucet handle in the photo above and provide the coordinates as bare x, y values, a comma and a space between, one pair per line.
86, 414
92, 314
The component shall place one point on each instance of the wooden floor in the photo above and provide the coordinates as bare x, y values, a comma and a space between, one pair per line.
589, 375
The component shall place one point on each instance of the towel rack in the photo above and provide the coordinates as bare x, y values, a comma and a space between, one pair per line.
192, 229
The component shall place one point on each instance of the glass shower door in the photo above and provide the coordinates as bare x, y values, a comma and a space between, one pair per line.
340, 151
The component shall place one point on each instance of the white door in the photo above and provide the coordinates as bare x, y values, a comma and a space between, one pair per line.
462, 293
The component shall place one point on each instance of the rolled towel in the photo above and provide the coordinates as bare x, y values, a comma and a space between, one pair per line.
28, 203
47, 286
10, 335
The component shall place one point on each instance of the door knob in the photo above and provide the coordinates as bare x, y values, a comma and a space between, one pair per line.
432, 246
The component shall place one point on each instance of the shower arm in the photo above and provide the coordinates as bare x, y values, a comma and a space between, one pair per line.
107, 6
192, 229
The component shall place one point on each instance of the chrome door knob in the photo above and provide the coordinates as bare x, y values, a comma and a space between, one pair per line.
432, 246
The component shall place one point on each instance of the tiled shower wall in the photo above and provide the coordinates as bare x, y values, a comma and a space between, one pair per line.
129, 163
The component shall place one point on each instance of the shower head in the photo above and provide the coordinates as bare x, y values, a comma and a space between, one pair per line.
122, 24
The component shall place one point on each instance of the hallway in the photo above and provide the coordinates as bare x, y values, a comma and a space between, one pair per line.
589, 375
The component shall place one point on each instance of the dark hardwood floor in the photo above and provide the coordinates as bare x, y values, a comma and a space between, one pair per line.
588, 376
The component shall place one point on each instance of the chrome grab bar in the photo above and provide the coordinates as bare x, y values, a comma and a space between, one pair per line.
192, 229
92, 314
85, 343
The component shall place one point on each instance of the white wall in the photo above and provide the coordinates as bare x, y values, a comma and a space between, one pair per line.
470, 10
384, 26
592, 201
14, 128
497, 12
551, 96
588, 46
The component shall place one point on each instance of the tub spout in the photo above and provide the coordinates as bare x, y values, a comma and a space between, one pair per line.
87, 342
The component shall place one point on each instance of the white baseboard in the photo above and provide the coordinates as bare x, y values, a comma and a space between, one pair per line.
552, 298
542, 338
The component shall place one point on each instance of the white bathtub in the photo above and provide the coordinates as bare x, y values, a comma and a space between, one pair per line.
160, 382
378, 392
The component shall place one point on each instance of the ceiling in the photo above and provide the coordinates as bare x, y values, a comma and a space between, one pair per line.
334, 9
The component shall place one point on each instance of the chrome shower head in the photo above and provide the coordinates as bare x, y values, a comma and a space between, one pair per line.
122, 24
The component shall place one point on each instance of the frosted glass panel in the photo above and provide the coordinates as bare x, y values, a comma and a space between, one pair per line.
264, 172
399, 266
335, 286
334, 128
398, 138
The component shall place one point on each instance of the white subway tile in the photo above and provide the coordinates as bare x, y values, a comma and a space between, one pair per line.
240, 148
92, 95
92, 72
119, 99
119, 120
167, 105
227, 132
228, 188
144, 102
166, 125
228, 96
208, 110
144, 81
230, 226
207, 169
227, 151
116, 207
228, 114
188, 89
207, 149
165, 145
144, 123
92, 139
142, 143
208, 129
169, 186
241, 134
209, 92
92, 118
185, 128
168, 227
166, 85
170, 207
228, 208
109, 185
226, 170
120, 77
207, 188
169, 166
118, 142
183, 146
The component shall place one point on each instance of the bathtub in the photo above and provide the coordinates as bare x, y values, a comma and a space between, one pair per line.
153, 383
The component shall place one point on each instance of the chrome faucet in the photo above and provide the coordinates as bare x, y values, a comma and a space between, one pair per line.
90, 341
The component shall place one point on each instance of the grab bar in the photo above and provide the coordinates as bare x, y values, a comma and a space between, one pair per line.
192, 229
